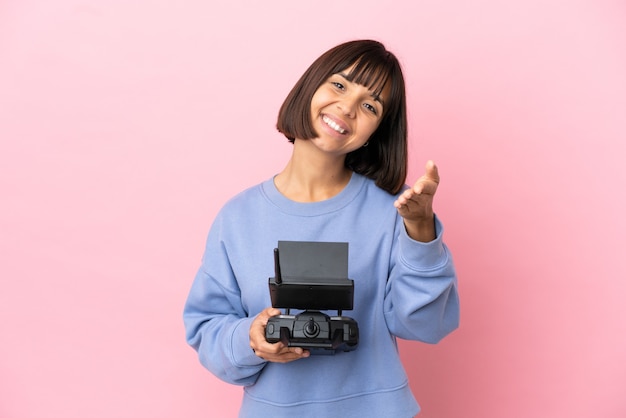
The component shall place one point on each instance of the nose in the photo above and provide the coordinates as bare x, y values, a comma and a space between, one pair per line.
347, 105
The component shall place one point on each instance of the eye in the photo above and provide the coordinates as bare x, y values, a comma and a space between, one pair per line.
338, 85
370, 108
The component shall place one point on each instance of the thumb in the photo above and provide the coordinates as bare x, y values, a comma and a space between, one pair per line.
432, 172
265, 314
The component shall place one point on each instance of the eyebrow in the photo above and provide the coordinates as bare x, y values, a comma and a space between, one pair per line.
375, 97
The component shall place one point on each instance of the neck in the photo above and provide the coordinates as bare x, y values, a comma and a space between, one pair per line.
311, 177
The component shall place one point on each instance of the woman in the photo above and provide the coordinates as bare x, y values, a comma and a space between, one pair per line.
346, 119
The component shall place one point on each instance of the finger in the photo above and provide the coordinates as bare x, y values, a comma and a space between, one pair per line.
401, 202
267, 313
279, 353
294, 353
427, 184
257, 328
432, 172
424, 187
403, 198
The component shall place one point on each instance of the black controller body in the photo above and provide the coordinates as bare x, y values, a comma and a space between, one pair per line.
315, 331
314, 280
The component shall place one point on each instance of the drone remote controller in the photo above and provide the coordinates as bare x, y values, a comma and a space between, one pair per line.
312, 329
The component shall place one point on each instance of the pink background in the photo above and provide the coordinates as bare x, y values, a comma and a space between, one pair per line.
125, 125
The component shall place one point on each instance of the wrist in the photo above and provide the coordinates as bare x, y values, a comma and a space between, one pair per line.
422, 229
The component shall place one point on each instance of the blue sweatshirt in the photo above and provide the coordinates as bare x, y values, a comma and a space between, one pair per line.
402, 288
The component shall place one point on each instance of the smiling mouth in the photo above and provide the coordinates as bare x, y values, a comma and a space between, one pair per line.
328, 121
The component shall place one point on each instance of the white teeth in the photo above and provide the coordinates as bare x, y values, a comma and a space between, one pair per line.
333, 125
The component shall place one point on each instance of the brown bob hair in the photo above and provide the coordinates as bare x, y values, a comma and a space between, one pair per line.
384, 159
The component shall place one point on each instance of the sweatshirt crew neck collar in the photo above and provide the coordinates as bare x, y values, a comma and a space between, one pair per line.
335, 203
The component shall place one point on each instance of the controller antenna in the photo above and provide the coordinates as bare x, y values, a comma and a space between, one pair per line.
278, 279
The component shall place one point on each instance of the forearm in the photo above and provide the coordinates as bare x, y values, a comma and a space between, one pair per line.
217, 327
223, 346
422, 299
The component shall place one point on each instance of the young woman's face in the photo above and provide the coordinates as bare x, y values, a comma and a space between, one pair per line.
345, 114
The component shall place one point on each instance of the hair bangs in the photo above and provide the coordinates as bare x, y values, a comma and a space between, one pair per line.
371, 73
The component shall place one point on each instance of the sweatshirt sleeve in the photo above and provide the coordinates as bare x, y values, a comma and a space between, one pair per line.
421, 300
217, 325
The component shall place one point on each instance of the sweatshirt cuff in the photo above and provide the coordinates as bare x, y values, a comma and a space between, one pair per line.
240, 345
423, 255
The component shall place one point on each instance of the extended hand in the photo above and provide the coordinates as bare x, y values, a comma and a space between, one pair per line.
276, 352
415, 205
